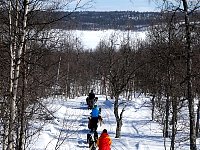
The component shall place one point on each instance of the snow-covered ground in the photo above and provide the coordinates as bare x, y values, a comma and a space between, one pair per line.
70, 126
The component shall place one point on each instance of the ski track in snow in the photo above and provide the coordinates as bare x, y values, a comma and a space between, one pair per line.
109, 123
81, 137
131, 126
107, 112
69, 126
118, 144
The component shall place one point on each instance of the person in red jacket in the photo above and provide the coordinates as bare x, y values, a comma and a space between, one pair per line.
104, 142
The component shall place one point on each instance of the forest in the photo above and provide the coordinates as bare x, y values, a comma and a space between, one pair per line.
119, 20
35, 63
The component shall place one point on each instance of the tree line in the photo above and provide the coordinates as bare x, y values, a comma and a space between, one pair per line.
100, 20
35, 63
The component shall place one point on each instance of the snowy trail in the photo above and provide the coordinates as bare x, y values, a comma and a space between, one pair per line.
81, 136
129, 126
110, 124
138, 132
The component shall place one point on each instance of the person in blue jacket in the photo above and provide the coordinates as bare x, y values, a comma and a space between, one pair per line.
95, 115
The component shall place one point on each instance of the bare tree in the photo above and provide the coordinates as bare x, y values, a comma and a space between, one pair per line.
20, 21
190, 96
117, 66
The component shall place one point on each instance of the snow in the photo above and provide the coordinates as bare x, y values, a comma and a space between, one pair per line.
69, 126
91, 39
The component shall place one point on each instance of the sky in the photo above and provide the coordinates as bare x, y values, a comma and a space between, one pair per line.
124, 5
70, 125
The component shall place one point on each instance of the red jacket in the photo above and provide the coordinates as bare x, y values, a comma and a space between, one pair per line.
104, 142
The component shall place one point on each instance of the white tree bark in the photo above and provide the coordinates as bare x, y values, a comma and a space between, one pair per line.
6, 130
16, 53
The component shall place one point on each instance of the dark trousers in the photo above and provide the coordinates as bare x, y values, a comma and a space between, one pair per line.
94, 121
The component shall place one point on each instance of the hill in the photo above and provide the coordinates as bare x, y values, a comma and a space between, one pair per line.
119, 20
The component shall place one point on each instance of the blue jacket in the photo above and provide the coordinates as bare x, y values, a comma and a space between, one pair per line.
95, 112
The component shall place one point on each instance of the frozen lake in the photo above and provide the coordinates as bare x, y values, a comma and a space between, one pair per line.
90, 39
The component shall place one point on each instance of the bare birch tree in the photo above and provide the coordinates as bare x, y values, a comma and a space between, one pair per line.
23, 28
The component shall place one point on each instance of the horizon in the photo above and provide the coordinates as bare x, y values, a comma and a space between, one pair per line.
113, 11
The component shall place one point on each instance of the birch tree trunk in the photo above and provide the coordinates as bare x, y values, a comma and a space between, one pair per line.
16, 53
12, 104
6, 127
189, 77
22, 106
